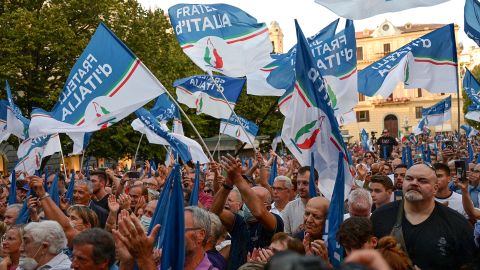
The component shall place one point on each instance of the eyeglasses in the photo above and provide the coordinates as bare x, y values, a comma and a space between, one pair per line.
193, 229
278, 189
368, 156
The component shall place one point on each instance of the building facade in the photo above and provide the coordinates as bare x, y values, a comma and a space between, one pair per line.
401, 111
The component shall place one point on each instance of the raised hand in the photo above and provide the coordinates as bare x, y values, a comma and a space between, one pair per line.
113, 205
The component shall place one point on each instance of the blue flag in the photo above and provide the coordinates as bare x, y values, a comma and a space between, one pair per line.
250, 163
71, 185
196, 186
24, 213
152, 123
472, 88
335, 215
164, 109
472, 20
233, 128
12, 195
200, 93
471, 154
469, 130
428, 62
17, 124
273, 172
54, 191
435, 115
364, 140
312, 191
4, 134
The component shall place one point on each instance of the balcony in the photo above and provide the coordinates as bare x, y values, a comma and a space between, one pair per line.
390, 101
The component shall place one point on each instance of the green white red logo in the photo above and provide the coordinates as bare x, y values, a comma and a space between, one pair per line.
101, 111
306, 136
211, 56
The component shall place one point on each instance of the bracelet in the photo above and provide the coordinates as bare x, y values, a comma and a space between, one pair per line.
44, 196
227, 187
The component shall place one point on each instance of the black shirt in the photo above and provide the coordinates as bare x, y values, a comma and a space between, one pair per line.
386, 142
443, 241
103, 202
102, 214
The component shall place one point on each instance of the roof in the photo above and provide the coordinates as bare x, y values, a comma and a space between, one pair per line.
407, 28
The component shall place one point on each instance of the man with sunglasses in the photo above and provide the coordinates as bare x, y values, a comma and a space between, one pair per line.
433, 235
386, 144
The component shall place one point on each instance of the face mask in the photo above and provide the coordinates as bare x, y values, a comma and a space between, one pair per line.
153, 194
28, 263
145, 221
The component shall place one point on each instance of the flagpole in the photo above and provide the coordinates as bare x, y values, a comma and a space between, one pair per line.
136, 152
81, 161
184, 114
231, 109
218, 142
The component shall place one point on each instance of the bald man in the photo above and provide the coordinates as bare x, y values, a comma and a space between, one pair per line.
316, 212
435, 236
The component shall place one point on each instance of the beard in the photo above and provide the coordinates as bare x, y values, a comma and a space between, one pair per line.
413, 196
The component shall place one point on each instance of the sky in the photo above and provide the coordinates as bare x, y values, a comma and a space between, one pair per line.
313, 17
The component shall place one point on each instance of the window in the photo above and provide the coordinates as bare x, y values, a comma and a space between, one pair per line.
386, 48
419, 92
361, 97
359, 53
363, 116
418, 112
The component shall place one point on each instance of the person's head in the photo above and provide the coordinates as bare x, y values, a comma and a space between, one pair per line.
81, 217
148, 212
43, 240
420, 184
12, 240
356, 233
381, 188
303, 180
385, 132
264, 195
99, 180
12, 213
395, 257
197, 230
234, 201
396, 162
475, 180
216, 230
282, 241
137, 192
151, 183
188, 177
387, 169
399, 175
282, 185
93, 249
22, 190
82, 192
359, 203
315, 215
443, 175
369, 157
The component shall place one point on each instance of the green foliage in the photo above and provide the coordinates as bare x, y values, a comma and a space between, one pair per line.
467, 102
41, 40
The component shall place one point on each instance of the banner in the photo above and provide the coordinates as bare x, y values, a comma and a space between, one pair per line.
428, 62
106, 84
436, 114
472, 88
472, 20
469, 131
232, 127
311, 126
200, 93
221, 38
358, 10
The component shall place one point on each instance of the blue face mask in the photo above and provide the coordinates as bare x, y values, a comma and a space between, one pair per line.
145, 221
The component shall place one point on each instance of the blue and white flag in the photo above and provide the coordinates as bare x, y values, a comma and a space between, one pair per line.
53, 191
358, 10
335, 214
4, 134
200, 93
472, 88
335, 58
233, 128
31, 152
196, 186
311, 126
221, 38
422, 127
106, 84
428, 62
17, 124
364, 139
273, 172
435, 115
186, 148
469, 131
80, 142
472, 20
471, 154
164, 110
276, 141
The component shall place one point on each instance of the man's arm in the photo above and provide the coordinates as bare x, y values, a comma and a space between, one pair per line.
227, 217
472, 212
258, 210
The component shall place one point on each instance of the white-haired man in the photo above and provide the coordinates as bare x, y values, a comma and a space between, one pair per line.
43, 243
281, 188
359, 203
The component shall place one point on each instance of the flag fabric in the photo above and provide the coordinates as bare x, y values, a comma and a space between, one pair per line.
4, 134
428, 62
233, 128
17, 124
438, 113
469, 131
71, 185
471, 154
311, 126
276, 141
472, 20
24, 213
31, 152
335, 58
335, 214
472, 88
165, 110
200, 93
12, 195
80, 142
273, 172
221, 38
364, 140
347, 118
358, 10
312, 191
187, 149
196, 186
106, 84
257, 83
53, 191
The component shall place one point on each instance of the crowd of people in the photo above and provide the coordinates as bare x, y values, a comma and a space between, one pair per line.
397, 216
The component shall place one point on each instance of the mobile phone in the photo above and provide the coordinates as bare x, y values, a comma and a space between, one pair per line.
449, 145
461, 170
133, 174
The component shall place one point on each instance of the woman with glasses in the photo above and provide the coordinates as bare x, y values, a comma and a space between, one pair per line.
11, 242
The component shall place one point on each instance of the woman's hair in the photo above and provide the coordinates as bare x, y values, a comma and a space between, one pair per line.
393, 254
87, 215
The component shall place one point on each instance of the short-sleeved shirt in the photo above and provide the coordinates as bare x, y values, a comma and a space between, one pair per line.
387, 143
292, 216
443, 241
103, 202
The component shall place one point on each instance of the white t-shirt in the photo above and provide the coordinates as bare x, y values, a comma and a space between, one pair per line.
454, 202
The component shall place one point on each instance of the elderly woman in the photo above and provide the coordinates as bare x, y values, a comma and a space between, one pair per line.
11, 242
